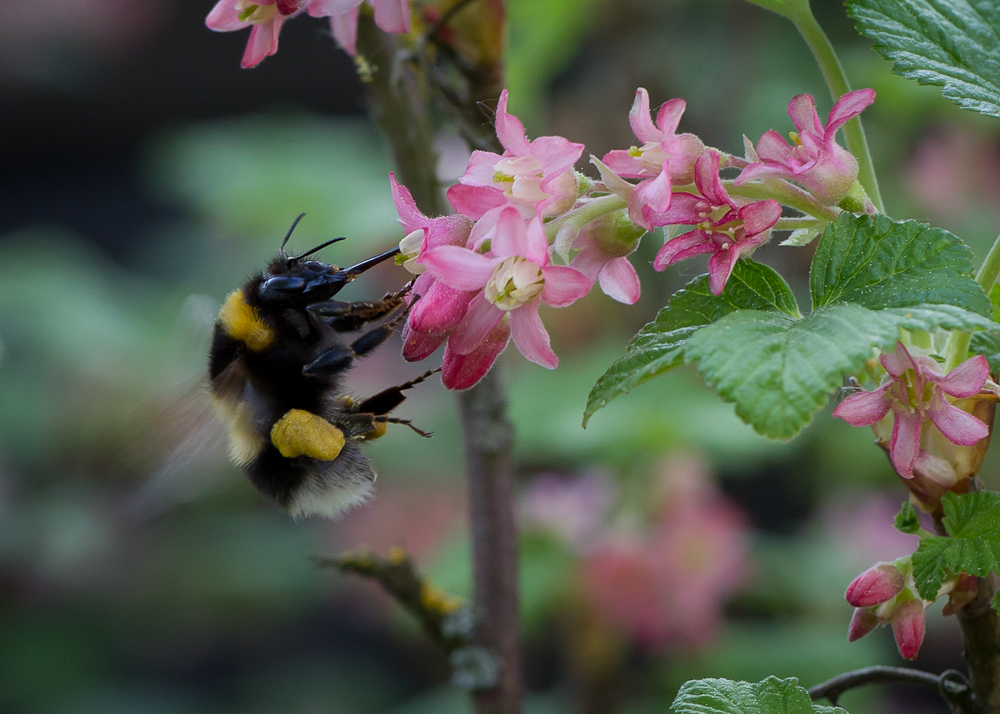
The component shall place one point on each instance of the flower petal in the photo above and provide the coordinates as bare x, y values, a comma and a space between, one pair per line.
620, 282
759, 216
564, 285
640, 119
224, 17
556, 154
510, 130
669, 116
669, 253
965, 380
864, 408
897, 361
410, 216
656, 193
511, 237
263, 42
392, 15
461, 268
480, 319
481, 169
626, 165
848, 107
439, 310
706, 178
419, 345
905, 441
530, 336
720, 267
344, 27
773, 147
958, 427
474, 201
802, 110
463, 371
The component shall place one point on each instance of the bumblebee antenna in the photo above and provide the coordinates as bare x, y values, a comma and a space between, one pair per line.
281, 250
317, 248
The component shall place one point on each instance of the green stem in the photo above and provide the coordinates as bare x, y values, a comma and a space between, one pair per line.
836, 80
784, 193
586, 213
957, 350
794, 224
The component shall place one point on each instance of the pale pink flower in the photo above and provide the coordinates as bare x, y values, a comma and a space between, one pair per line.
725, 228
264, 16
916, 392
572, 508
390, 16
815, 161
603, 258
513, 278
664, 158
535, 177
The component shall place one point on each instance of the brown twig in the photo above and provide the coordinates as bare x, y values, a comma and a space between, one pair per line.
489, 439
444, 617
951, 685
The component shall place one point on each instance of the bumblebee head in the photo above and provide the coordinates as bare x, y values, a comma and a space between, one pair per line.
291, 281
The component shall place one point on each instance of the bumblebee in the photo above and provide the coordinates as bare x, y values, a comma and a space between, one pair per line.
276, 366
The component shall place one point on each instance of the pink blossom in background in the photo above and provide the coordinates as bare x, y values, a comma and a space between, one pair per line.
511, 280
573, 508
667, 588
665, 157
265, 17
915, 393
724, 228
390, 16
535, 177
860, 524
955, 173
815, 161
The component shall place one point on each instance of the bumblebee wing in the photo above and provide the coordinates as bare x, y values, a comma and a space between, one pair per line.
331, 487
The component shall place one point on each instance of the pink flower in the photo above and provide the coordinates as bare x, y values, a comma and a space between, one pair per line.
908, 627
439, 308
914, 394
536, 177
605, 245
879, 583
724, 228
264, 16
816, 161
664, 158
390, 16
461, 371
513, 278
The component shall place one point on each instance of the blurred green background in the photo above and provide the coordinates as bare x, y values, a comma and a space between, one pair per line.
146, 176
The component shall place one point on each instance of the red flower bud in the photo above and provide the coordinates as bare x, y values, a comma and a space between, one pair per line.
908, 627
879, 583
862, 622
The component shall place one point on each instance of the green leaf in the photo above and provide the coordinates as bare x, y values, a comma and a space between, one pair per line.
779, 371
985, 344
657, 348
907, 520
724, 696
880, 263
973, 522
954, 44
995, 602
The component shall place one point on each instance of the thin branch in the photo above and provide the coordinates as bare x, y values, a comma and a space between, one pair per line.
446, 18
951, 685
444, 617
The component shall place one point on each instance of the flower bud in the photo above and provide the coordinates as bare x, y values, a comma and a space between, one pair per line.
908, 627
863, 621
879, 583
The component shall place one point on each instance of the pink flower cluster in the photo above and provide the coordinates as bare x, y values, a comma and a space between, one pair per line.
484, 273
916, 392
267, 16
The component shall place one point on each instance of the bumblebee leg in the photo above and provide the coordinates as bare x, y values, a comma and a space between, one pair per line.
302, 433
388, 399
335, 359
373, 338
350, 316
404, 422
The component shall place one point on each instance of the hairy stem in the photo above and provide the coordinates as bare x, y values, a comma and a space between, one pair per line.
489, 439
957, 350
836, 80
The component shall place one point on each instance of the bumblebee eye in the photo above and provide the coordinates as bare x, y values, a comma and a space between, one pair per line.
281, 285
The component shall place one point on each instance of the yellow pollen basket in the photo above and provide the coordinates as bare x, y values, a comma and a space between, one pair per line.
244, 323
301, 433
